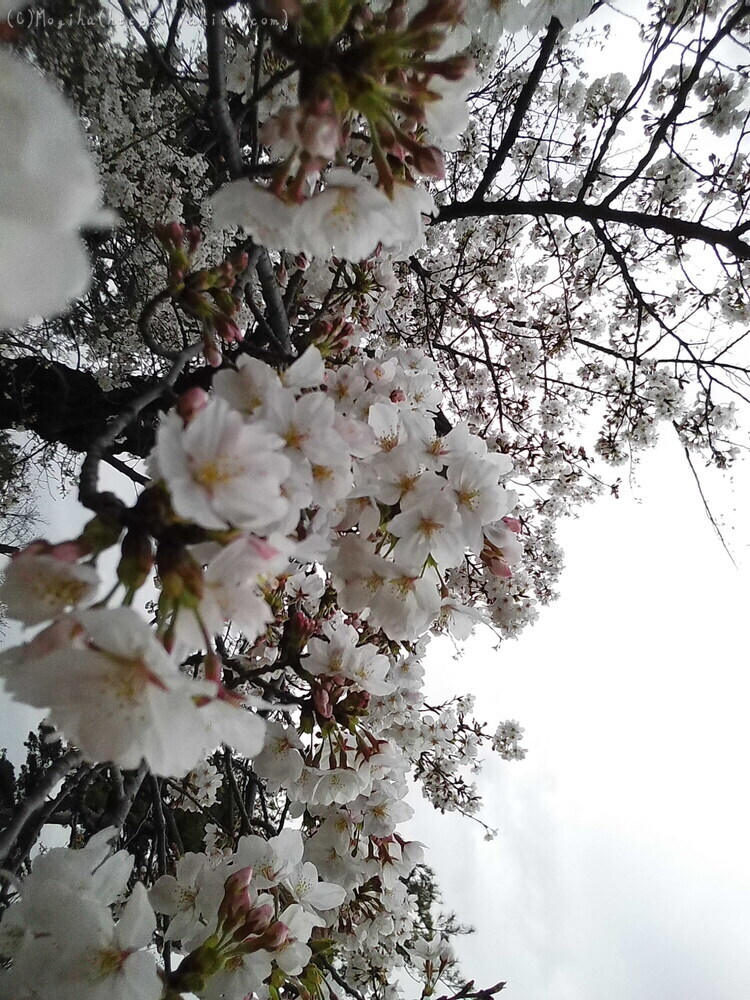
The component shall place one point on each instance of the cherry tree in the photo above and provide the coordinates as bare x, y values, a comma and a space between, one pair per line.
343, 288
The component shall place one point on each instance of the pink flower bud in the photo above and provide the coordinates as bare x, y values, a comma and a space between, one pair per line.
212, 354
213, 669
438, 12
358, 702
39, 547
257, 922
396, 16
453, 69
513, 523
239, 898
500, 569
170, 235
397, 396
176, 233
303, 627
274, 936
228, 329
428, 160
322, 702
191, 403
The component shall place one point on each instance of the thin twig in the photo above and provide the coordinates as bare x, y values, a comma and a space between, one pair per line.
88, 493
245, 826
707, 509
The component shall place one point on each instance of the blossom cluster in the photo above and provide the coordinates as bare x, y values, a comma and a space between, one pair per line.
319, 514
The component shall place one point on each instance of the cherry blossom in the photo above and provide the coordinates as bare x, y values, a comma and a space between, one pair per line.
349, 218
257, 211
221, 471
49, 190
111, 688
38, 587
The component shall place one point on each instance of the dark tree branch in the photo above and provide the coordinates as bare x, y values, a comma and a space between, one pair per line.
275, 311
523, 104
126, 796
676, 228
88, 493
245, 826
217, 101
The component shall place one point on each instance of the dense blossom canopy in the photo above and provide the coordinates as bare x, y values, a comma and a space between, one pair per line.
360, 277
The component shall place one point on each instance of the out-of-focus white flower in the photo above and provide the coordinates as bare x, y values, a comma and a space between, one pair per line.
49, 190
257, 210
348, 219
410, 206
60, 935
447, 117
37, 587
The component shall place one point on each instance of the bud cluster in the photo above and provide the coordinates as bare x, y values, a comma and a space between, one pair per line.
205, 294
358, 70
245, 925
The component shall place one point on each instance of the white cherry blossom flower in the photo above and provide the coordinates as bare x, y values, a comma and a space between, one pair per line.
191, 897
38, 587
341, 655
459, 619
387, 426
272, 860
307, 372
221, 471
349, 218
268, 219
240, 978
62, 939
250, 387
304, 886
478, 496
382, 813
49, 190
231, 591
447, 117
294, 954
410, 208
280, 762
111, 689
430, 526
